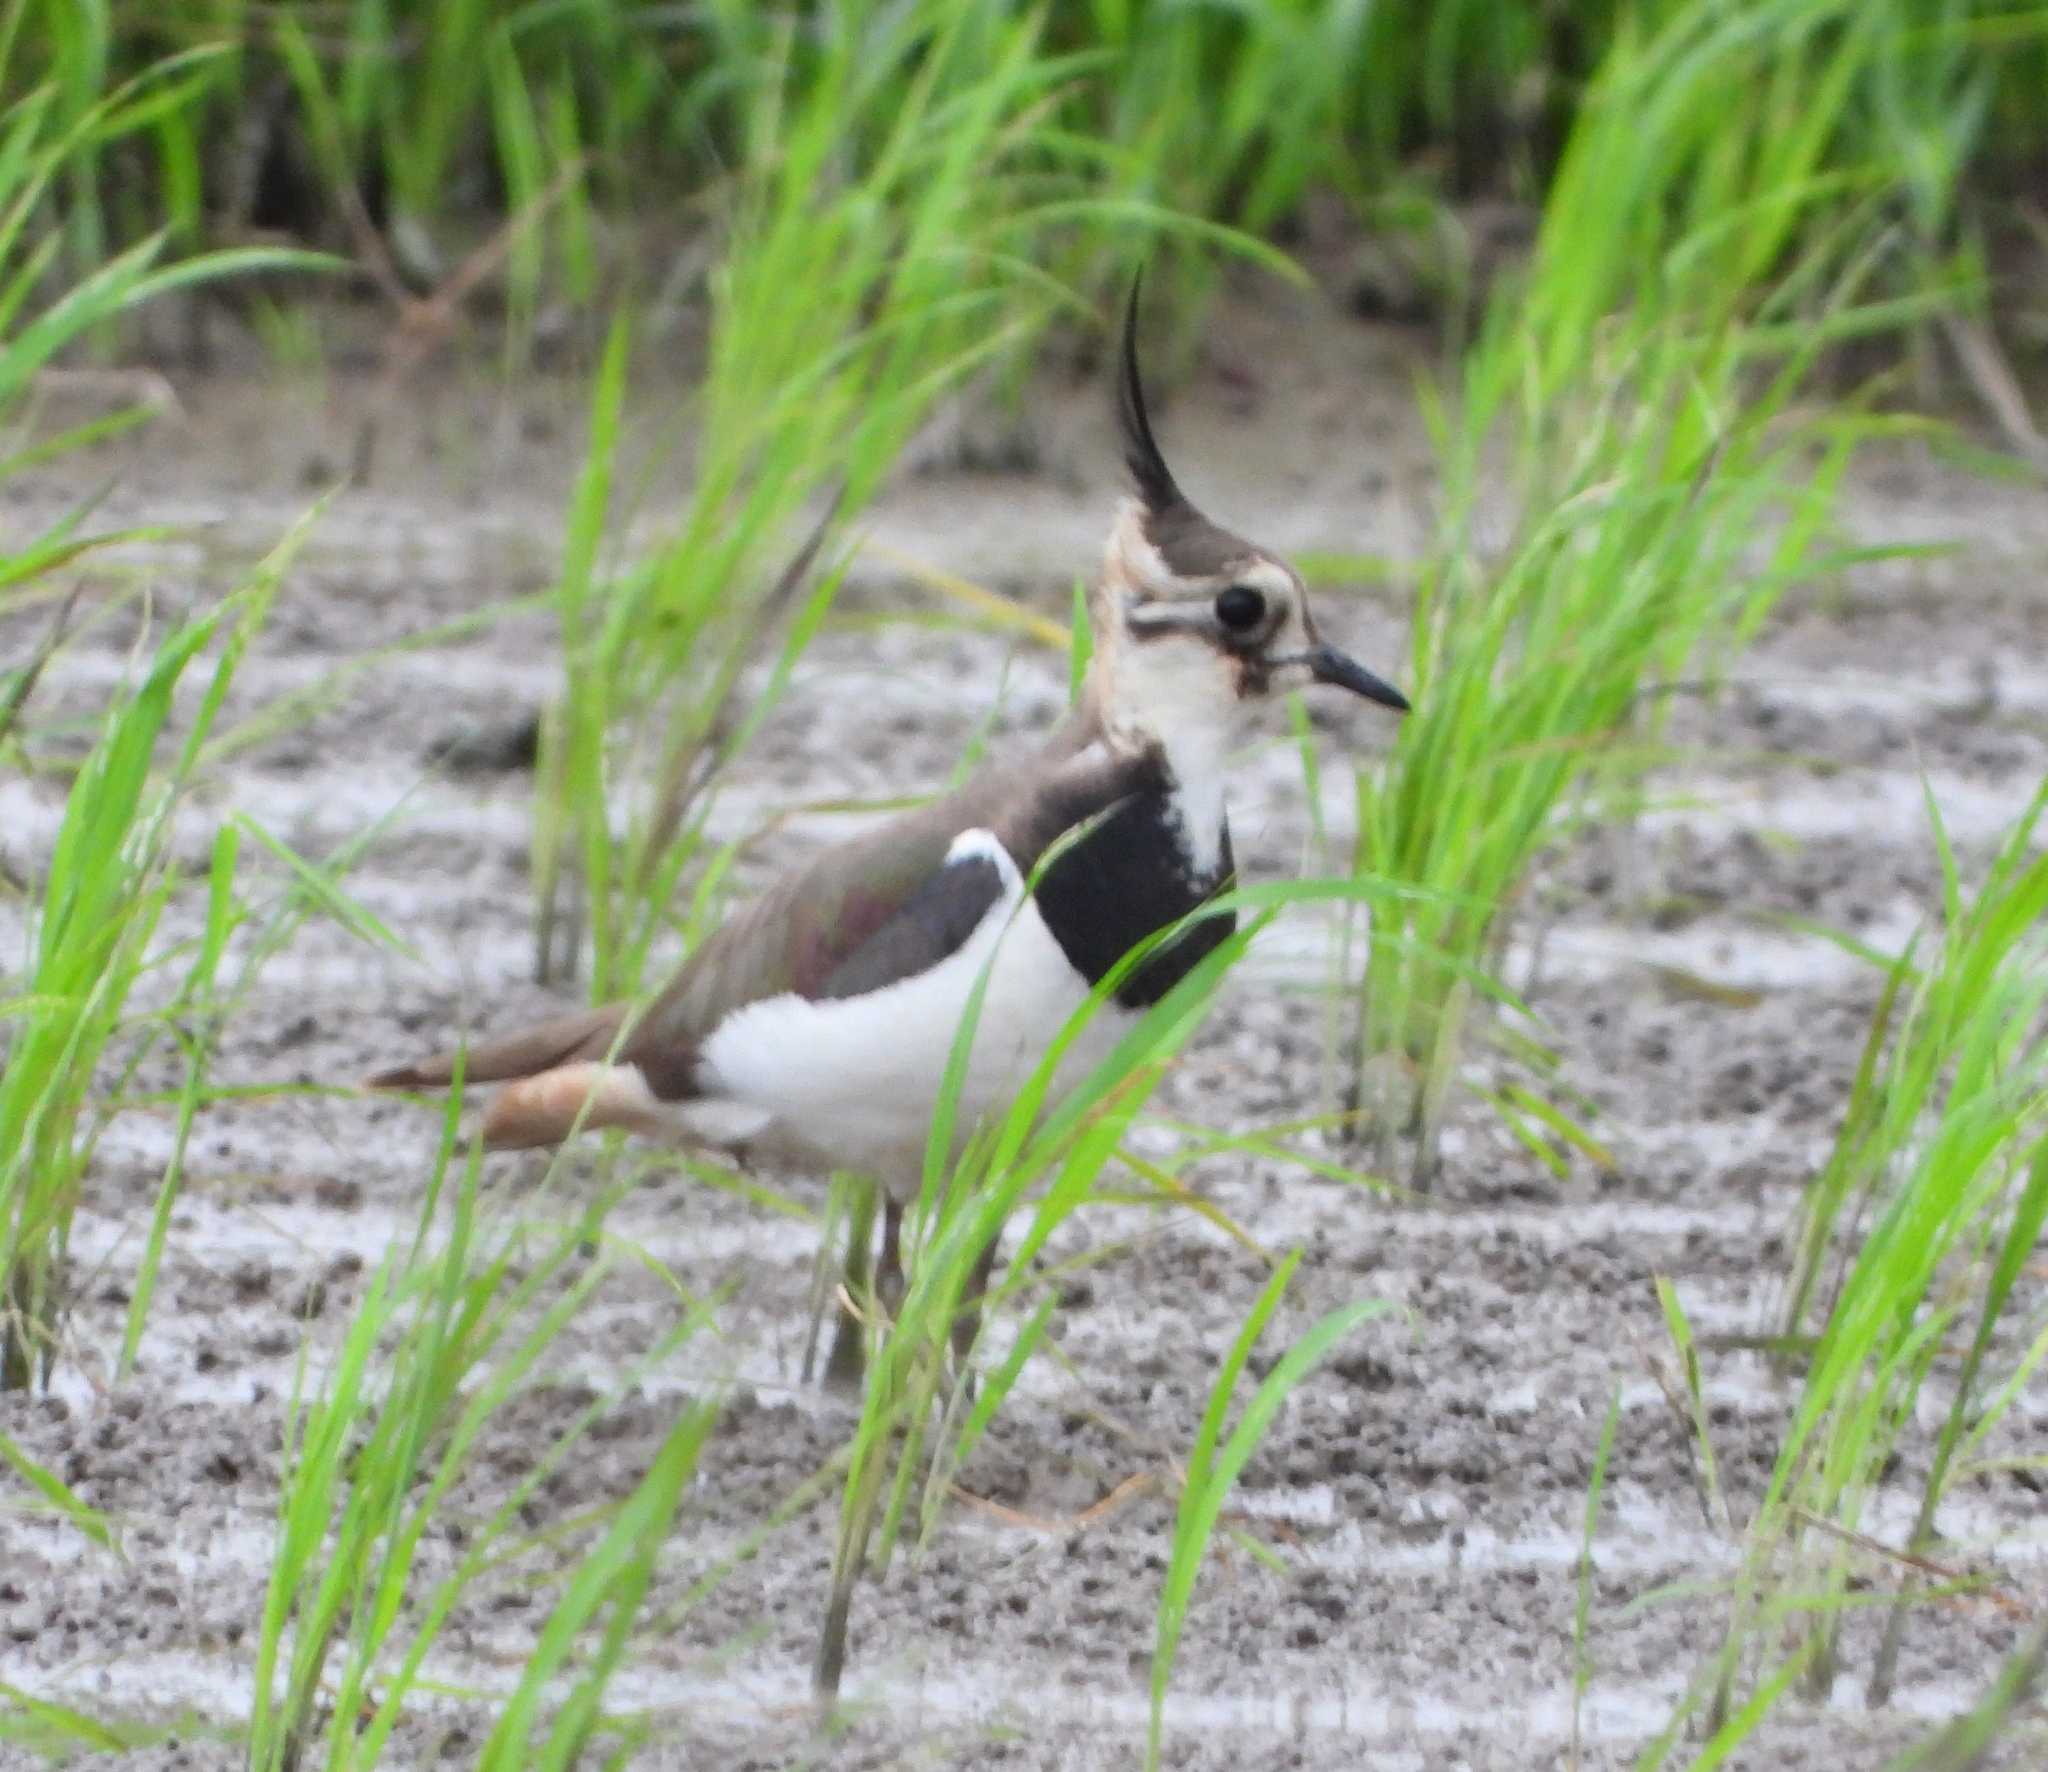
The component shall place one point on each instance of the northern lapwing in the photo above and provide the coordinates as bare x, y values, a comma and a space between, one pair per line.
815, 1026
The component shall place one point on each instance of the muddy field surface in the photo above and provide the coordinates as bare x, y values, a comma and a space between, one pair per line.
1423, 1493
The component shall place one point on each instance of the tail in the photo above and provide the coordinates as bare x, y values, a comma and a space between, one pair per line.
557, 1076
589, 1033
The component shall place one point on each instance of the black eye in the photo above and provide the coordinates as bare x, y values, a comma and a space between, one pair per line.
1240, 608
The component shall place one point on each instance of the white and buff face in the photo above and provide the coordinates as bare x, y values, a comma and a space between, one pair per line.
1188, 659
1184, 655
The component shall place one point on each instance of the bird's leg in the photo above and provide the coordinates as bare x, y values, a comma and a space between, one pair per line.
967, 1324
889, 1286
848, 1359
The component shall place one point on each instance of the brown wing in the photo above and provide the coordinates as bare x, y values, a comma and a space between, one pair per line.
860, 914
933, 924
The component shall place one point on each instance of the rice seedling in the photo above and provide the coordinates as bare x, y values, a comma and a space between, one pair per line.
610, 1583
1923, 1219
1666, 484
1214, 1463
1238, 112
41, 146
109, 878
108, 881
196, 1049
1688, 1398
452, 1326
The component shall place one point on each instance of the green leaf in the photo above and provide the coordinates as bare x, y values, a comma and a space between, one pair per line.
60, 1496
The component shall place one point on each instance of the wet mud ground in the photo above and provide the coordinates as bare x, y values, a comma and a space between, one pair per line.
1423, 1493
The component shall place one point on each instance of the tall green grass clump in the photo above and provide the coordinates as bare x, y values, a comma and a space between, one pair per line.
48, 132
442, 107
899, 181
1636, 411
108, 882
450, 113
441, 118
1244, 112
1909, 1285
108, 878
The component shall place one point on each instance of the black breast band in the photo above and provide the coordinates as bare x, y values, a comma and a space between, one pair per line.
1124, 880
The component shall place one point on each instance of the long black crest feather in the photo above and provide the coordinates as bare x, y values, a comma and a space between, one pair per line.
1148, 467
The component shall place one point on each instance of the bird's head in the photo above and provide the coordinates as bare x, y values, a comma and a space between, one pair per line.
1195, 626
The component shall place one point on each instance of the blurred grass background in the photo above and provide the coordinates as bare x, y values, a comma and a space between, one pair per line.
614, 128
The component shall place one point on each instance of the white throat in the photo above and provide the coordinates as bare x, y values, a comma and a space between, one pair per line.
1176, 695
1199, 797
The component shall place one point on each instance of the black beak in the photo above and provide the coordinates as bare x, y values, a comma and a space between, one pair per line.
1327, 665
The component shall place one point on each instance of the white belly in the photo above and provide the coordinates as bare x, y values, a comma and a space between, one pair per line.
850, 1083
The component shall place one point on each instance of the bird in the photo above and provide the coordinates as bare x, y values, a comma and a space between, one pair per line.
814, 1027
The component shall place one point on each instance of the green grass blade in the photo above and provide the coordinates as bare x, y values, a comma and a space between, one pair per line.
1212, 1472
61, 1496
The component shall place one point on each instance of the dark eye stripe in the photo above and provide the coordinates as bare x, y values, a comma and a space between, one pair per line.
1155, 622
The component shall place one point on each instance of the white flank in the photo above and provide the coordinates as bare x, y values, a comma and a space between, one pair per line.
853, 1080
